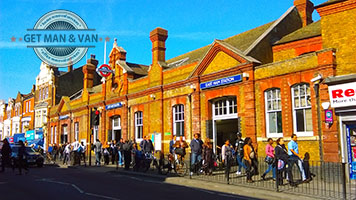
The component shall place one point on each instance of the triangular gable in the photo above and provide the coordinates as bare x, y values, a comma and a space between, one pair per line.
221, 52
64, 105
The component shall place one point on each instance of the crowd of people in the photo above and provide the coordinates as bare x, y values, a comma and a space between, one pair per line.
279, 159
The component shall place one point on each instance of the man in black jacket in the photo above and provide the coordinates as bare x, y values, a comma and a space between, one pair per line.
6, 154
196, 147
127, 154
148, 145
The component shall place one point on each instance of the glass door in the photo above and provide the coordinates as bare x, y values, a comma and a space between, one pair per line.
351, 144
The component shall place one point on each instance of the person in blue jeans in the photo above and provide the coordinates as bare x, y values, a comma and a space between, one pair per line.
239, 149
120, 152
196, 147
295, 158
270, 155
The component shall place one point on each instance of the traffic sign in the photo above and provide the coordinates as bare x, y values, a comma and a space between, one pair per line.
104, 70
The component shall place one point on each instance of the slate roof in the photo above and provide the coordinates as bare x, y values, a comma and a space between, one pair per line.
240, 41
312, 30
328, 3
27, 96
138, 68
71, 82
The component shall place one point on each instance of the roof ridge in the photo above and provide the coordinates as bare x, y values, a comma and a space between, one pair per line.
264, 34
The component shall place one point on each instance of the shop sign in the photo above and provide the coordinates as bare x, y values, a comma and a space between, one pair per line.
342, 95
113, 106
220, 82
328, 116
30, 135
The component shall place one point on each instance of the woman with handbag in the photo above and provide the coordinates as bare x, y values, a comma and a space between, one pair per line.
269, 160
281, 155
249, 157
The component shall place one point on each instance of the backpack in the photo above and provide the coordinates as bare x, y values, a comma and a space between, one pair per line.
240, 147
80, 149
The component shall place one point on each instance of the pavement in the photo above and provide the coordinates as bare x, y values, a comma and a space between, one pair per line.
211, 188
62, 182
106, 182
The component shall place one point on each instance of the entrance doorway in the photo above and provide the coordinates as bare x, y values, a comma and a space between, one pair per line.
225, 120
116, 129
226, 130
64, 135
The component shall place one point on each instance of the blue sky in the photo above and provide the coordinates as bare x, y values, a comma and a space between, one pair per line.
190, 23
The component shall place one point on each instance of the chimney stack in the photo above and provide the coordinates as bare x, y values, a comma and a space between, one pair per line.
305, 9
88, 71
158, 38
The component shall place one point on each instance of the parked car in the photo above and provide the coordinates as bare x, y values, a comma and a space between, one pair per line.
32, 157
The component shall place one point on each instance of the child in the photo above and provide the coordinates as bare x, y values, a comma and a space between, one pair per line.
306, 167
106, 156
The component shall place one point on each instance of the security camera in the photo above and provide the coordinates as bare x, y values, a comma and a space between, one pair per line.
315, 79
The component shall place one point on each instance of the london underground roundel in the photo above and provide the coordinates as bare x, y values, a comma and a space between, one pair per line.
104, 70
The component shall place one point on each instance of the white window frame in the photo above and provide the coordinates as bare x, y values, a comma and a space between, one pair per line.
222, 104
76, 131
44, 117
301, 133
273, 110
138, 123
55, 134
178, 119
115, 128
40, 95
52, 136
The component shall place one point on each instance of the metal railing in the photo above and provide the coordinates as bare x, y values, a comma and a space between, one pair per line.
328, 180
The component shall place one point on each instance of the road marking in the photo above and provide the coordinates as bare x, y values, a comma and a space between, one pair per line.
76, 187
101, 196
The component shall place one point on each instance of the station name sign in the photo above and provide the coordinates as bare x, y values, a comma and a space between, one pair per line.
220, 82
113, 106
63, 117
342, 95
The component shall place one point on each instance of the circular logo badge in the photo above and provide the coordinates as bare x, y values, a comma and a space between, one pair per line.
104, 70
57, 54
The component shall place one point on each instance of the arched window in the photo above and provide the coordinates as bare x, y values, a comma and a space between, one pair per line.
178, 120
138, 125
273, 113
302, 114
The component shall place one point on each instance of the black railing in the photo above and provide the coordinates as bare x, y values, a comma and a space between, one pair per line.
328, 180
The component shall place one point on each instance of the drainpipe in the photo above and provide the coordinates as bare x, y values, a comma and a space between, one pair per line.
316, 90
